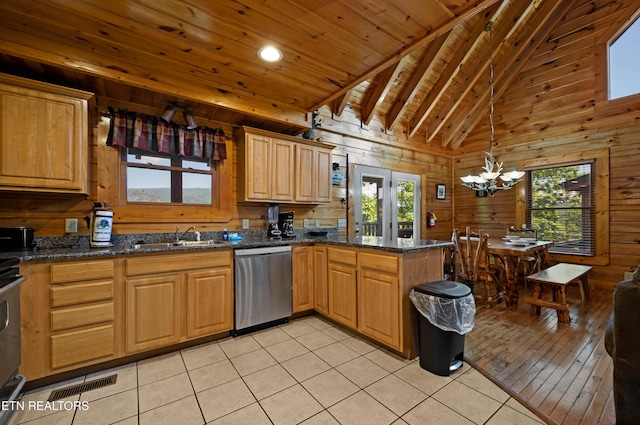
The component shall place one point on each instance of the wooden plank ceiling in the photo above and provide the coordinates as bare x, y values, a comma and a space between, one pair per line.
419, 66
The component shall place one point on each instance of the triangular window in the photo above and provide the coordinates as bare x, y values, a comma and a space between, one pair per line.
624, 62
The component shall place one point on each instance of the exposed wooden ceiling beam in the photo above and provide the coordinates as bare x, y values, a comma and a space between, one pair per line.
472, 10
417, 78
472, 70
341, 102
447, 76
543, 20
376, 95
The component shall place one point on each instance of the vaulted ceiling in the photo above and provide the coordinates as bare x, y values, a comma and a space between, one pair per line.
420, 67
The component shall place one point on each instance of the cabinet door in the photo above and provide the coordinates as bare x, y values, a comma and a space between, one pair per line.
323, 175
320, 280
153, 312
209, 302
282, 170
302, 278
305, 173
43, 140
342, 294
258, 167
378, 307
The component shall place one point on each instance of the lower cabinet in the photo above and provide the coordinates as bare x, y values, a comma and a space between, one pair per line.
171, 298
368, 290
154, 312
320, 280
302, 278
209, 302
379, 295
82, 312
342, 276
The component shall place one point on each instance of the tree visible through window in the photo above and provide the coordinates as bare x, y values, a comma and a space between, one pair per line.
624, 62
561, 207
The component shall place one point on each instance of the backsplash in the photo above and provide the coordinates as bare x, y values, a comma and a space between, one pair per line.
71, 241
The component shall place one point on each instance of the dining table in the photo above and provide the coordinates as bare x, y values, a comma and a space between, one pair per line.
507, 255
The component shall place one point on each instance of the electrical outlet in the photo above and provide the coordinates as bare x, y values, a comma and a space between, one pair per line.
342, 222
317, 223
245, 223
70, 225
628, 276
305, 222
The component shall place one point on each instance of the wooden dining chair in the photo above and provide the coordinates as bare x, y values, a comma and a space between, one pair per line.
474, 266
527, 264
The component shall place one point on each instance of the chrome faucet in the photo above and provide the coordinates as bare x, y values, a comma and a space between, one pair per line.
180, 235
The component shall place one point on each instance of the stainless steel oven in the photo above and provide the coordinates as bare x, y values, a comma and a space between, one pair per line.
11, 383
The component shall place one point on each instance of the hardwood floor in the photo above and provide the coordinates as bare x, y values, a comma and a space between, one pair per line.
560, 369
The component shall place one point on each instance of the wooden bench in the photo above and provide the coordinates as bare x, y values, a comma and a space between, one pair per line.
558, 277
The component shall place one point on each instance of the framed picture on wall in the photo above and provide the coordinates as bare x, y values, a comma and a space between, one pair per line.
441, 191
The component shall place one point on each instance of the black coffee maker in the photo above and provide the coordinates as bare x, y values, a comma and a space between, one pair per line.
285, 222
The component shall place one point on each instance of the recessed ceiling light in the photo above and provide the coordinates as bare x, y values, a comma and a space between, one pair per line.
270, 54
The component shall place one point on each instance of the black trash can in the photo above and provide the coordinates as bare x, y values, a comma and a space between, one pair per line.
446, 311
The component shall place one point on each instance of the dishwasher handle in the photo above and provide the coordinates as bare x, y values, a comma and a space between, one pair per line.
267, 250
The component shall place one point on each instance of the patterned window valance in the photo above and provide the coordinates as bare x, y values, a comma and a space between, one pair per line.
149, 133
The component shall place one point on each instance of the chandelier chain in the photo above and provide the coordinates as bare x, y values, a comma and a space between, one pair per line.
492, 138
487, 181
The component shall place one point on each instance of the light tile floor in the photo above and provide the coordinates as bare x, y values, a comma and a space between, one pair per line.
306, 371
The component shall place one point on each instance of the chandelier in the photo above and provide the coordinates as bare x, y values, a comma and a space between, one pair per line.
487, 181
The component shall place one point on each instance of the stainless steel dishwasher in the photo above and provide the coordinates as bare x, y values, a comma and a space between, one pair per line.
262, 287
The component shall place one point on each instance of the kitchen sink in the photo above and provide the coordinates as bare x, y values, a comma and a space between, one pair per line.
178, 244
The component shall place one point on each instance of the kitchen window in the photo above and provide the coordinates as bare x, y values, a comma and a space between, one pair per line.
566, 199
160, 178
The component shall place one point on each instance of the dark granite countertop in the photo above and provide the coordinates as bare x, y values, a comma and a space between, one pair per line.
119, 249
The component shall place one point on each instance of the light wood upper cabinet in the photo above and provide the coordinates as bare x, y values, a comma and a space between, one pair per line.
44, 144
278, 168
313, 174
282, 182
302, 278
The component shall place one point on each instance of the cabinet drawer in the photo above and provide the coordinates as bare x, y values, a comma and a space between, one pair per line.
87, 345
63, 295
341, 255
75, 317
382, 262
159, 263
81, 270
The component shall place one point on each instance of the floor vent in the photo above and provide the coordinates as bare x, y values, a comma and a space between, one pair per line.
82, 388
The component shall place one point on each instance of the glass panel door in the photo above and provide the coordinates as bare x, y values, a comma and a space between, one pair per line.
386, 203
371, 195
405, 207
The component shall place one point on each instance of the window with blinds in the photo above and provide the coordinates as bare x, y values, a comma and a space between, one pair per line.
560, 205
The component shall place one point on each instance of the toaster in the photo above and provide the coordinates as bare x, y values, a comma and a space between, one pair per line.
16, 238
